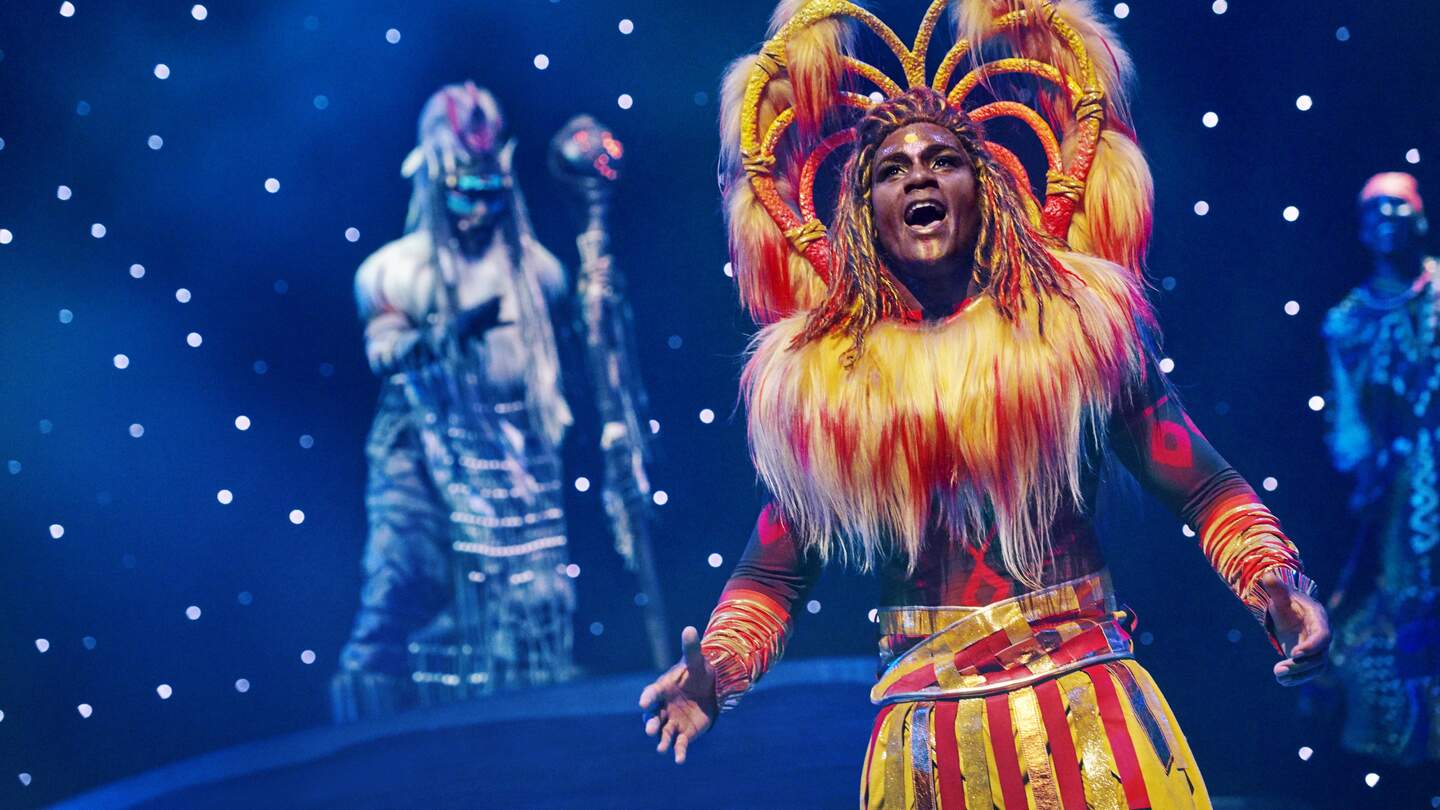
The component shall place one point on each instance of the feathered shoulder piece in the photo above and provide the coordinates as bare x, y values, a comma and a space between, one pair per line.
789, 108
976, 421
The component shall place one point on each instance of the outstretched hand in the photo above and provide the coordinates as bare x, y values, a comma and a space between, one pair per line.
680, 705
1302, 629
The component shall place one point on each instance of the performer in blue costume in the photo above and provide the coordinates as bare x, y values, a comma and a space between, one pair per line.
1385, 431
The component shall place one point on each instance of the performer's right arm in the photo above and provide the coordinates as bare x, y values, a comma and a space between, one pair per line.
746, 635
395, 292
748, 628
393, 342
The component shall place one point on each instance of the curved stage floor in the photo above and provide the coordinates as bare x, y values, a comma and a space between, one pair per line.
798, 742
580, 745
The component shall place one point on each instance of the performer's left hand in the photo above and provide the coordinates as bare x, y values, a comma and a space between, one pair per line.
1302, 629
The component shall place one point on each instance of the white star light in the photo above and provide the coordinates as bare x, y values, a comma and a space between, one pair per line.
352, 234
625, 101
62, 193
1291, 213
627, 27
164, 691
199, 12
225, 496
192, 613
661, 497
272, 185
1304, 103
67, 9
1292, 307
715, 560
297, 517
392, 36
541, 61
162, 71
1316, 403
155, 142
56, 532
582, 484
1210, 119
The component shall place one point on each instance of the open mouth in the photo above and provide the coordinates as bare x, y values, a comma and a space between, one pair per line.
922, 214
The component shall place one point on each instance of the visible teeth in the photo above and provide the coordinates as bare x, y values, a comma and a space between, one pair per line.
928, 211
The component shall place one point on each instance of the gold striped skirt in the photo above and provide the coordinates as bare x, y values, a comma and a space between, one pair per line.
1033, 702
1099, 737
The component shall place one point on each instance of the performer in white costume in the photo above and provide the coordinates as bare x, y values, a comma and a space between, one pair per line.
466, 588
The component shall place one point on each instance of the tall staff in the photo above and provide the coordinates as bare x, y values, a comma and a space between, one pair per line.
586, 155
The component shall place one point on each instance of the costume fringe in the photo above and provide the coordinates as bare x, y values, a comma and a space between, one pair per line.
973, 422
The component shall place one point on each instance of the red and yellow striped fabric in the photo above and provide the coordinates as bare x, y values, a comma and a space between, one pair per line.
951, 652
1100, 737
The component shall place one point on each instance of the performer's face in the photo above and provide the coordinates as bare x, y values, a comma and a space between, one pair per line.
475, 202
1390, 226
923, 196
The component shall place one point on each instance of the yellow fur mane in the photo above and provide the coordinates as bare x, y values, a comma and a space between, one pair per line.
964, 424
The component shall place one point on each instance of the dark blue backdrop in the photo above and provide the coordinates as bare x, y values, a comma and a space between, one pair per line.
313, 95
